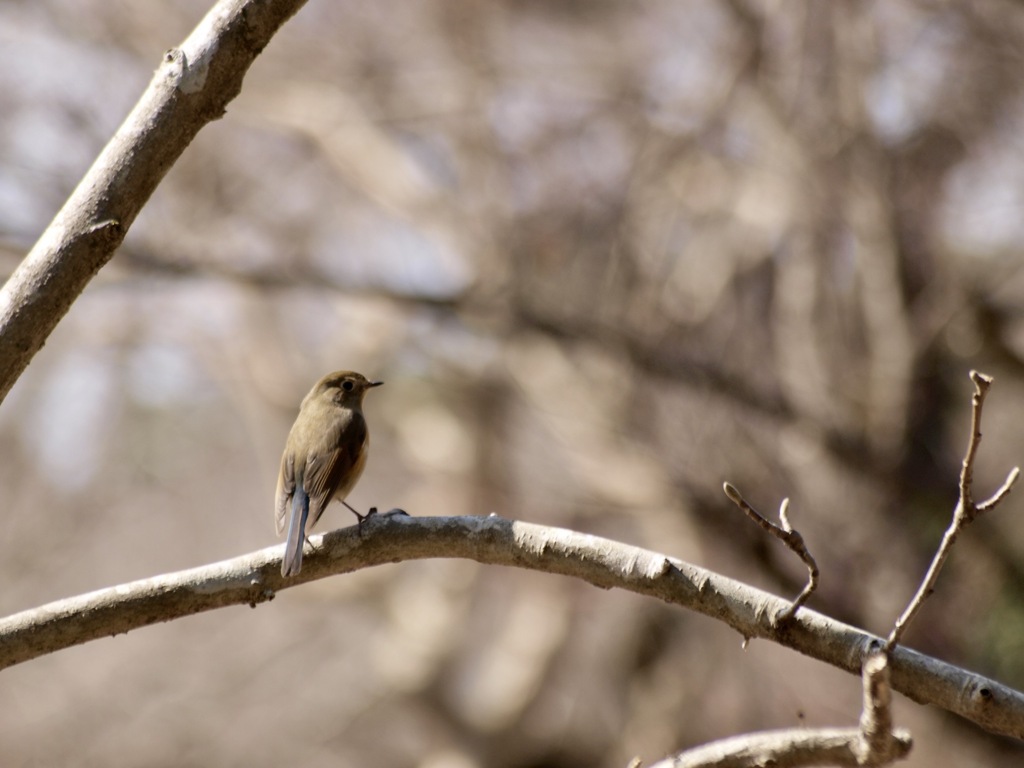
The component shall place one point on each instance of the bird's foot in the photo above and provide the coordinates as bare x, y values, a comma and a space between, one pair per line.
367, 516
359, 516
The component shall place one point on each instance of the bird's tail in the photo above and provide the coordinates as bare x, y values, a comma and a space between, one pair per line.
292, 562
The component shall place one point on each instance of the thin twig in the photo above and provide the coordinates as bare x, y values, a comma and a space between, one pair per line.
788, 536
965, 512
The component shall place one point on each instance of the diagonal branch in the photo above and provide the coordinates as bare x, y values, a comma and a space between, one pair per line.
192, 86
255, 578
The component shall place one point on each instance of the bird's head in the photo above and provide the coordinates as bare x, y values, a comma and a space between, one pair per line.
343, 388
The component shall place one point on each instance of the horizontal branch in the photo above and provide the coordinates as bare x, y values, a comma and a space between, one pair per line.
255, 578
793, 748
873, 742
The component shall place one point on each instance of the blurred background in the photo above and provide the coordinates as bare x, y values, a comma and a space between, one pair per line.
606, 255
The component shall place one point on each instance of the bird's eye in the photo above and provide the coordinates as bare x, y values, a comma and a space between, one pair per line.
347, 385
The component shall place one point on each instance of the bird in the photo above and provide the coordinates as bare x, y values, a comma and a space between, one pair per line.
323, 458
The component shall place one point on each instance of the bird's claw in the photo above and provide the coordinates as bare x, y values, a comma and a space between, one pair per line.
363, 518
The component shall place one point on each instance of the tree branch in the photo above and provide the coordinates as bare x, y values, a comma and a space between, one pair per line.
192, 86
255, 578
874, 742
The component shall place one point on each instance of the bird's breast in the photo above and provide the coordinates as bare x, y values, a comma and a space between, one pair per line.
349, 481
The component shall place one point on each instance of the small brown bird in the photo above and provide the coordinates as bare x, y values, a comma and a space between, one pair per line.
323, 458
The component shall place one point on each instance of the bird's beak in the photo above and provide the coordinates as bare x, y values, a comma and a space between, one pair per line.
374, 383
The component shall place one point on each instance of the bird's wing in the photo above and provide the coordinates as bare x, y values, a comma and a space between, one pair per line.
285, 489
329, 474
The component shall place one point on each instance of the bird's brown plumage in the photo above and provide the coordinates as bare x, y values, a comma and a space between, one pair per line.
323, 458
